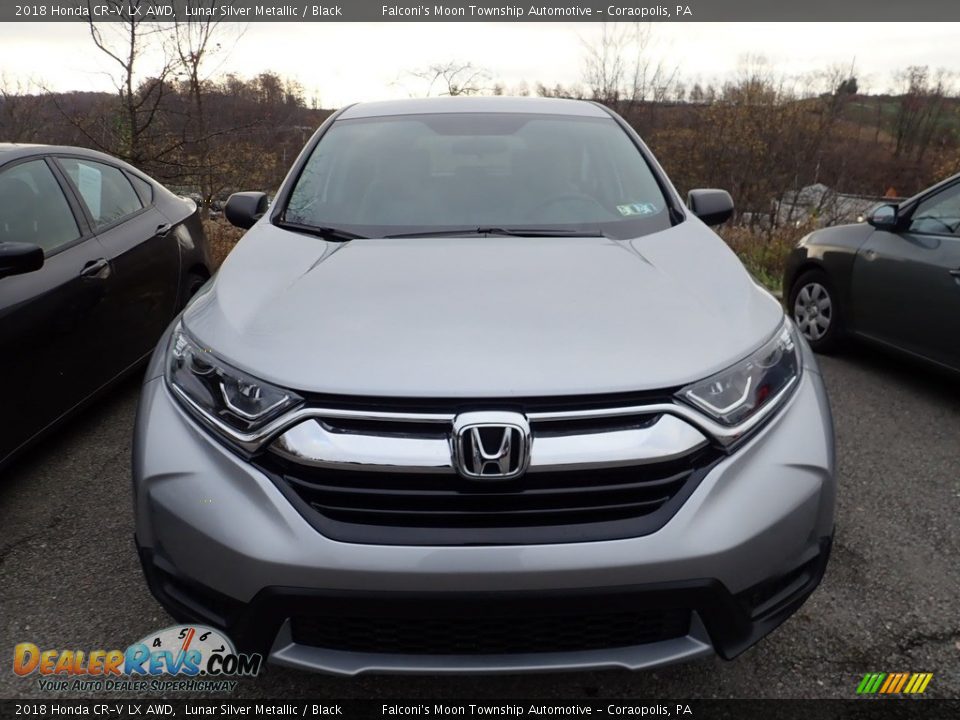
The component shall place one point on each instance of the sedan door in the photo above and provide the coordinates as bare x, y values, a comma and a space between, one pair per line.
906, 284
142, 251
52, 320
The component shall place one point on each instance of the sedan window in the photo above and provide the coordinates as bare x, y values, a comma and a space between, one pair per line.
939, 214
144, 189
105, 190
33, 208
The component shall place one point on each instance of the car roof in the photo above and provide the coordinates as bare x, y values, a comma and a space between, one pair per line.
472, 104
16, 151
17, 148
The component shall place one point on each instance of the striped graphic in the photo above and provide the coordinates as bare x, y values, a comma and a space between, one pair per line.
894, 683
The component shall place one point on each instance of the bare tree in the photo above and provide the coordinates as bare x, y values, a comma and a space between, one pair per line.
127, 42
20, 116
619, 70
649, 80
453, 78
921, 109
196, 42
838, 86
604, 66
574, 92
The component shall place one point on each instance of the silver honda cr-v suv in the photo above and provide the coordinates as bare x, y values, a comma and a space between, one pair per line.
477, 392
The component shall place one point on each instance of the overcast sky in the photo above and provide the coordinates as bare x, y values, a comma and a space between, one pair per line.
340, 63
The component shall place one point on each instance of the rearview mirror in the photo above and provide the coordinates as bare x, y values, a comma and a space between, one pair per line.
18, 258
710, 205
884, 217
245, 208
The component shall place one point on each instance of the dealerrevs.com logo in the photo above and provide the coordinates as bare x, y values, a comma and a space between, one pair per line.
181, 657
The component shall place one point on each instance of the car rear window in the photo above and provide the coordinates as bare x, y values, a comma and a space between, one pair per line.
105, 190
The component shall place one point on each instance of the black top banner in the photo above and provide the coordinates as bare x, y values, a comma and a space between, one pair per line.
853, 11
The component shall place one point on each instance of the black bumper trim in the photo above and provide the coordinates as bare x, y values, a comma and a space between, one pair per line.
733, 625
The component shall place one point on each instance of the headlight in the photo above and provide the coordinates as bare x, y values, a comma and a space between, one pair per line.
211, 388
736, 394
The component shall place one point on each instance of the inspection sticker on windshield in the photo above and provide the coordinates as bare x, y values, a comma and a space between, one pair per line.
637, 209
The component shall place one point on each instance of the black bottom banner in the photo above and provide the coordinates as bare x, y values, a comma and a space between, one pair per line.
536, 709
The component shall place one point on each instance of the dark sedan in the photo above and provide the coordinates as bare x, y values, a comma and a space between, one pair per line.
96, 259
894, 280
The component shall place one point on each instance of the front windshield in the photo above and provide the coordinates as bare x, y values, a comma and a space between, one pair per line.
407, 174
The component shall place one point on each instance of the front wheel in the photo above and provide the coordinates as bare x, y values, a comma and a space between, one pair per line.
815, 309
195, 281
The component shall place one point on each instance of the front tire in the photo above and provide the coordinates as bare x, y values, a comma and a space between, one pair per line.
815, 308
195, 281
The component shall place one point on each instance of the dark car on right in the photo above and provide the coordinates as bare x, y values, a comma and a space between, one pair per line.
894, 279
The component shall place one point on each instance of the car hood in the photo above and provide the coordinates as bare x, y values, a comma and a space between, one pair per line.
488, 317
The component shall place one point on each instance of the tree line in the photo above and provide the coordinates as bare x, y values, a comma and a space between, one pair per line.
179, 118
173, 113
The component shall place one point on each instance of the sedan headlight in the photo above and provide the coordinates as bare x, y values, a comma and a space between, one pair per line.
214, 390
735, 395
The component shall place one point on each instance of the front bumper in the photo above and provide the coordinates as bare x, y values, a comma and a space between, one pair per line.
719, 622
220, 544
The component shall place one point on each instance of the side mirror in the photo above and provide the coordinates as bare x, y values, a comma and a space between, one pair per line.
18, 258
884, 217
243, 209
712, 206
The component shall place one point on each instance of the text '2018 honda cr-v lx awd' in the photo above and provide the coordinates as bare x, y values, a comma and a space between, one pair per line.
478, 393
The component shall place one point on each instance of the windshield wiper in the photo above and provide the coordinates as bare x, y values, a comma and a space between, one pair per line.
515, 232
538, 232
325, 232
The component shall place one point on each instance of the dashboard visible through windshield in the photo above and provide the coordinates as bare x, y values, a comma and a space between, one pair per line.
470, 172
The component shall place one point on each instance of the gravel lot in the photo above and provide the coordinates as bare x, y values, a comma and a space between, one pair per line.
69, 577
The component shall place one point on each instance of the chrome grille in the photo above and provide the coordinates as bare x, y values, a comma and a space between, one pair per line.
396, 481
